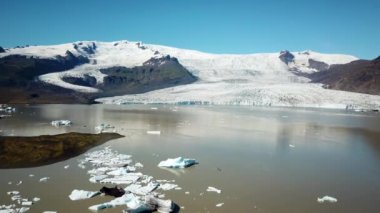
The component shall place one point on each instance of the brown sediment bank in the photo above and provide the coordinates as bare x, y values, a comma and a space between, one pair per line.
22, 152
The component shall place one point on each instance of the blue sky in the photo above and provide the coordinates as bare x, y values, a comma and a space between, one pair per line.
218, 26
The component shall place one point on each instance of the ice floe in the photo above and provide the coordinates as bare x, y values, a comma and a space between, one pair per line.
327, 198
179, 162
58, 123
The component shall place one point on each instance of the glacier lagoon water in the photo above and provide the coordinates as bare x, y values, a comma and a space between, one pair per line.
263, 159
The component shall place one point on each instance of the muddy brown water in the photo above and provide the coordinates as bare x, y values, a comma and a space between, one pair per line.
246, 152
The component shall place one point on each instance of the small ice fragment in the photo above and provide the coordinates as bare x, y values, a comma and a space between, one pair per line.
327, 199
27, 203
168, 186
151, 132
9, 183
179, 162
178, 188
154, 108
213, 189
36, 199
187, 193
66, 167
138, 164
13, 193
97, 178
44, 179
23, 209
291, 146
219, 204
82, 194
58, 123
105, 128
49, 212
31, 175
19, 183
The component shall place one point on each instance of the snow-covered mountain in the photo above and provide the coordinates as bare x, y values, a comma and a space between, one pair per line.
275, 79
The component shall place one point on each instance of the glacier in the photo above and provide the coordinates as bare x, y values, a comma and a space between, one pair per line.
260, 79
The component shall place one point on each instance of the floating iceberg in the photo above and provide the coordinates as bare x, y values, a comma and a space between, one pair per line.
58, 123
82, 194
327, 199
179, 162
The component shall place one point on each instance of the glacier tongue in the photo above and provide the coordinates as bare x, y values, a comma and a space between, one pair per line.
282, 95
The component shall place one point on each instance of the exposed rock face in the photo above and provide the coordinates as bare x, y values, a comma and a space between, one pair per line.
358, 76
286, 56
318, 65
89, 48
18, 79
2, 50
17, 70
87, 81
153, 74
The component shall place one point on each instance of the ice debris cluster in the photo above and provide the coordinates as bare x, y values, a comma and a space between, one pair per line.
141, 193
21, 204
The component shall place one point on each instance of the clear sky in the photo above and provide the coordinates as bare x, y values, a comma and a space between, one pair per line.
217, 26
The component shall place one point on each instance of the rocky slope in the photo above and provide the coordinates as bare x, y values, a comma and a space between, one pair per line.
361, 76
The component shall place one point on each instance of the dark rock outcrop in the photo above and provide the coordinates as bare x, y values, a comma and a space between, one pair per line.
89, 48
2, 50
286, 56
86, 80
21, 152
155, 73
318, 65
361, 76
18, 79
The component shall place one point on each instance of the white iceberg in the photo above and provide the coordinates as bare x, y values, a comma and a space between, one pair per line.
179, 162
82, 194
58, 123
327, 199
